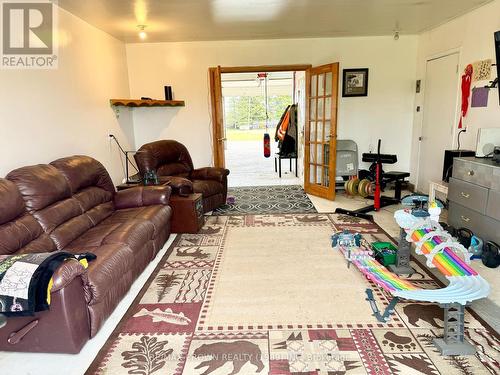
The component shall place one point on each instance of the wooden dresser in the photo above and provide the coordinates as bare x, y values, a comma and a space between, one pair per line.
474, 195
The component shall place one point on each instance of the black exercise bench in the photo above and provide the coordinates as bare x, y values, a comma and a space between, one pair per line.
383, 178
399, 178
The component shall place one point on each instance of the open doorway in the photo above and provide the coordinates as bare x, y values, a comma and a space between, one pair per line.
253, 105
316, 94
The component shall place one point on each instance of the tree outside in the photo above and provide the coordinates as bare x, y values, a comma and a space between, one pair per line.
245, 116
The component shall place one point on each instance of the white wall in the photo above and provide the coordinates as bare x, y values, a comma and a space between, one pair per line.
472, 35
48, 114
386, 113
300, 100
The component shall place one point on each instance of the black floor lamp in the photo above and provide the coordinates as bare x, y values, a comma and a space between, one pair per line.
127, 161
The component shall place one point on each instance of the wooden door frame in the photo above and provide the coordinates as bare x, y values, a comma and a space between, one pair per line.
216, 99
332, 161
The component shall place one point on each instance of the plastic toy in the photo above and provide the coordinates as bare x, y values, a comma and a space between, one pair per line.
421, 207
465, 284
440, 249
346, 238
475, 248
385, 252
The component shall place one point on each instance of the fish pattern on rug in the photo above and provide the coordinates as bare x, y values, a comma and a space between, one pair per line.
164, 331
258, 200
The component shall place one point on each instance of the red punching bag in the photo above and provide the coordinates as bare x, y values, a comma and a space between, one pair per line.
267, 145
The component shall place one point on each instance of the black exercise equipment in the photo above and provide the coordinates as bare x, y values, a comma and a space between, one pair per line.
381, 179
491, 255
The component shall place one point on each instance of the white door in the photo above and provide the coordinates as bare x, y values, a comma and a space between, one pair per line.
440, 109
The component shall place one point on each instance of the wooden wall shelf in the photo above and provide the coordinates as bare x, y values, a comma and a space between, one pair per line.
147, 103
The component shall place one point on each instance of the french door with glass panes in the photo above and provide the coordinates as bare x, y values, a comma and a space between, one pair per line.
321, 130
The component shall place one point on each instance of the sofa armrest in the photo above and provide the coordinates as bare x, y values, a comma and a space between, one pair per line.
66, 273
141, 196
210, 173
180, 185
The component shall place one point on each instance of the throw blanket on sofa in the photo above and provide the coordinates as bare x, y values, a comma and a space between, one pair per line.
26, 280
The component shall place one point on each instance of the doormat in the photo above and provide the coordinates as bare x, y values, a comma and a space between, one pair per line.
266, 294
258, 200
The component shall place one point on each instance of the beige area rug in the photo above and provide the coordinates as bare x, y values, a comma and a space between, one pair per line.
266, 294
283, 275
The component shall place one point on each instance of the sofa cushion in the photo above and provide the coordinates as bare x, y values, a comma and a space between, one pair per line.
91, 197
157, 215
207, 187
174, 169
11, 201
166, 157
90, 184
83, 171
68, 197
19, 231
40, 185
24, 235
133, 233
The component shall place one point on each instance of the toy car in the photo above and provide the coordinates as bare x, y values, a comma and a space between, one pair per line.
346, 238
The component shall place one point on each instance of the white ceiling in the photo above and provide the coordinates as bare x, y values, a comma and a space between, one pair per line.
189, 20
249, 84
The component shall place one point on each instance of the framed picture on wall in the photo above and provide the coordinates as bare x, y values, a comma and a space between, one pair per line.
355, 82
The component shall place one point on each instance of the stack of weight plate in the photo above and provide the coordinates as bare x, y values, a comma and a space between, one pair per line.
355, 186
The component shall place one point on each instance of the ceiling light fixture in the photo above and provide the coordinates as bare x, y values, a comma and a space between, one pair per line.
396, 35
142, 34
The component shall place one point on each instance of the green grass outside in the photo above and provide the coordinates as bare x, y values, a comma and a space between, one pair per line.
245, 135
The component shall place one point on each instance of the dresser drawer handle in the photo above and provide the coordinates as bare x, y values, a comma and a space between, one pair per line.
465, 195
470, 173
464, 218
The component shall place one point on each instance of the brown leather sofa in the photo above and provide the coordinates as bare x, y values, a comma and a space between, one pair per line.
71, 205
172, 163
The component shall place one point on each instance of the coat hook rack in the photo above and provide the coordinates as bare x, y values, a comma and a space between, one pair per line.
493, 84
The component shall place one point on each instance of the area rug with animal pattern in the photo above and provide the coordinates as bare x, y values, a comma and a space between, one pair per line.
266, 294
258, 200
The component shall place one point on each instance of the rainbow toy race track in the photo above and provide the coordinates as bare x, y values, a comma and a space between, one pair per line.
440, 249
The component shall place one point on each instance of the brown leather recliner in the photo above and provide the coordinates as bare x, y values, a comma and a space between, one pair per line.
171, 162
71, 205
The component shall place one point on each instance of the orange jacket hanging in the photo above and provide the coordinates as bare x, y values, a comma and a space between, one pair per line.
283, 125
